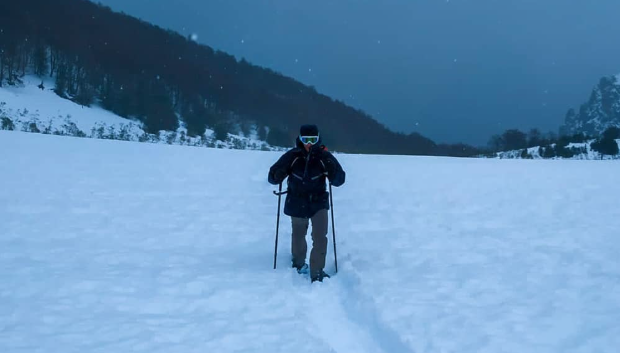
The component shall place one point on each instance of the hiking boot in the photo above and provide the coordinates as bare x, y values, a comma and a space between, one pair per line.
302, 270
318, 276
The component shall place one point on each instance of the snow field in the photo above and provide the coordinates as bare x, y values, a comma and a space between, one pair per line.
111, 246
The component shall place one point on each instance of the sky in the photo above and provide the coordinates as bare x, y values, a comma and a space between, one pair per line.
452, 70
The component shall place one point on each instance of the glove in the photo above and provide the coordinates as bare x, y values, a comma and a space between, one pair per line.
334, 172
280, 175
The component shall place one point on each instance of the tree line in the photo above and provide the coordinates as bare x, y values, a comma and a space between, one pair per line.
551, 145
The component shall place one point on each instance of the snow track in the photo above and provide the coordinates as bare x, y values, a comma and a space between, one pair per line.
347, 319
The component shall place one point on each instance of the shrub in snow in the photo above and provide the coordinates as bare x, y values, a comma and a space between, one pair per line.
124, 132
238, 144
69, 128
111, 135
98, 131
171, 137
7, 124
48, 128
33, 127
25, 127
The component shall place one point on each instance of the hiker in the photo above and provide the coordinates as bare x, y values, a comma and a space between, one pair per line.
307, 166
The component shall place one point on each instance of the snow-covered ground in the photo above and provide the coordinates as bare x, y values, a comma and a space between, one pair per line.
30, 105
111, 246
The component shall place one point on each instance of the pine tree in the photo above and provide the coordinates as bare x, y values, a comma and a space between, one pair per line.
606, 144
62, 80
40, 60
85, 94
221, 130
278, 137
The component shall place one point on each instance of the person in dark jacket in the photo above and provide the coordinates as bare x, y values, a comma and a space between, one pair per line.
307, 166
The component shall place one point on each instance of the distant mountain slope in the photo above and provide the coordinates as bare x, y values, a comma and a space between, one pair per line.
140, 71
601, 111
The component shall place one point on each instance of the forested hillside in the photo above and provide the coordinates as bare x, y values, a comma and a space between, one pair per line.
140, 71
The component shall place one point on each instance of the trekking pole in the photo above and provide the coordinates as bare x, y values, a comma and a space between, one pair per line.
275, 255
331, 203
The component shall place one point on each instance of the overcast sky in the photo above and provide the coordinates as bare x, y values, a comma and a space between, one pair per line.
452, 70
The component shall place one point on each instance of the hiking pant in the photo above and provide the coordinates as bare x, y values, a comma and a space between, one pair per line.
319, 241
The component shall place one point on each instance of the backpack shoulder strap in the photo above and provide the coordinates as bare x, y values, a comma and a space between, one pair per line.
294, 160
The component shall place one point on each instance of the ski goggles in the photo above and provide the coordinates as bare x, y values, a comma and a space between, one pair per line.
309, 139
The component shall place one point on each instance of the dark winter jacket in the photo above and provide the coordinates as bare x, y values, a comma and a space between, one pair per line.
306, 172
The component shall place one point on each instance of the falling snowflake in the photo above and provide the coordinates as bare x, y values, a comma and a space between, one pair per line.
194, 37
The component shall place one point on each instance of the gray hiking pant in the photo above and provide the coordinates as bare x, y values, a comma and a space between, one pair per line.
319, 241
